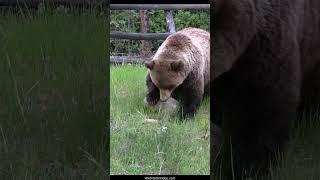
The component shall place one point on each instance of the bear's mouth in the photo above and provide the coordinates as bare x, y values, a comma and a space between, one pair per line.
165, 100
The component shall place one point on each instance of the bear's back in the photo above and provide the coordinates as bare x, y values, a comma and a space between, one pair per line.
201, 39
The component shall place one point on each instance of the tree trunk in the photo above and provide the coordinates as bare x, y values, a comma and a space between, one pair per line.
145, 45
169, 21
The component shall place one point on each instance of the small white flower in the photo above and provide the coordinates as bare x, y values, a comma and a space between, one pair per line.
164, 128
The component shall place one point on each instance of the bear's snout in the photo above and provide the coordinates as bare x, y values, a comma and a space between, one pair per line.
165, 94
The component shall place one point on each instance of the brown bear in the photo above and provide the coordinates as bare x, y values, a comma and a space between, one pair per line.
266, 64
180, 69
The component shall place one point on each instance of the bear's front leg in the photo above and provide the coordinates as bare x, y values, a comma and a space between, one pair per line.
153, 94
191, 98
256, 110
256, 128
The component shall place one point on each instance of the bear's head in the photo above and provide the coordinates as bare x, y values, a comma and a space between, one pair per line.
170, 67
166, 75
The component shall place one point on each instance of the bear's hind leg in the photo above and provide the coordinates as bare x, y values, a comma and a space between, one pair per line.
192, 95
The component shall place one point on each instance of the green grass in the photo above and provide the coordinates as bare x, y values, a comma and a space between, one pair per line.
139, 148
53, 79
302, 157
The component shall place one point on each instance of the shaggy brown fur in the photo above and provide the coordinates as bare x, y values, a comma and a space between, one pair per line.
266, 63
181, 69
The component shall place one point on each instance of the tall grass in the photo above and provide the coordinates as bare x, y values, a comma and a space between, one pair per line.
170, 146
53, 80
301, 157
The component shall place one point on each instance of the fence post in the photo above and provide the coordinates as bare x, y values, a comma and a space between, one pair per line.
145, 45
169, 21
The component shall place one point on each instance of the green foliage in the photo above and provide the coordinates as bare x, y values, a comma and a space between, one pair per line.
157, 21
125, 21
197, 19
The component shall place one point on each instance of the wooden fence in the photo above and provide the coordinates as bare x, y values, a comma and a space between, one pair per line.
169, 19
149, 36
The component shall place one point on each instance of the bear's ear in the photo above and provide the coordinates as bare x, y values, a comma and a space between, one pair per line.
176, 65
149, 64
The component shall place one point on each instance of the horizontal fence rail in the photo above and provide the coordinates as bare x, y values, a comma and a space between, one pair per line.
160, 6
35, 3
138, 36
116, 60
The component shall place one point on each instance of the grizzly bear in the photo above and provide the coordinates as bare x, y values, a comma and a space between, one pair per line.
180, 69
266, 66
